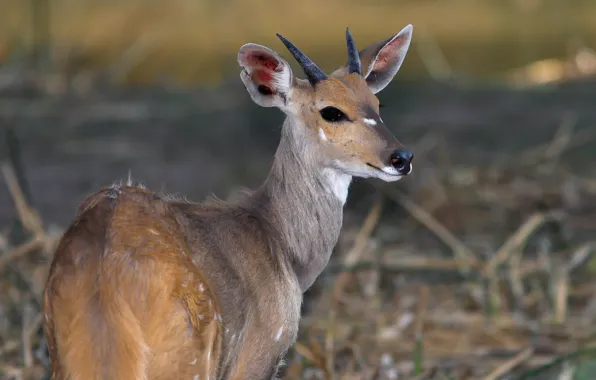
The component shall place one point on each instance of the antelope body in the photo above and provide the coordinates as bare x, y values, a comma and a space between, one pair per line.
143, 286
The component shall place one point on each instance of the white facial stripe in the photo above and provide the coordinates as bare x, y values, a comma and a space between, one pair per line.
370, 122
322, 134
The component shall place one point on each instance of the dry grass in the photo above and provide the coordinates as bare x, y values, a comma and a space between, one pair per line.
498, 300
537, 305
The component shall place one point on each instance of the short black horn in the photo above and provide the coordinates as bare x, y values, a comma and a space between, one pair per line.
312, 71
354, 65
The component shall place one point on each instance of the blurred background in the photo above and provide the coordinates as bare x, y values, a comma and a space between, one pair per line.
477, 266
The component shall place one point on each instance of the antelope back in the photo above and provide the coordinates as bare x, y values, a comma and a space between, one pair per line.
124, 300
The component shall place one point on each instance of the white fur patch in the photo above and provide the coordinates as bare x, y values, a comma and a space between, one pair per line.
393, 171
338, 183
390, 170
322, 134
116, 186
278, 336
371, 122
388, 174
282, 80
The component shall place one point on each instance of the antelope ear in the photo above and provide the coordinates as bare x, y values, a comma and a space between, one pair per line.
267, 77
381, 61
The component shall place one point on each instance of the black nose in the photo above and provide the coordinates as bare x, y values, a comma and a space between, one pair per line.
402, 161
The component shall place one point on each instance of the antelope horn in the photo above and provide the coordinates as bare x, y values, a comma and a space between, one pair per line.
312, 71
354, 65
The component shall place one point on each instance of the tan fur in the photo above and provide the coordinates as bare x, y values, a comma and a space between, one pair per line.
121, 290
147, 287
352, 142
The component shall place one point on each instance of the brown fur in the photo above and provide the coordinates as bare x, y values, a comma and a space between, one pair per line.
122, 291
148, 287
353, 142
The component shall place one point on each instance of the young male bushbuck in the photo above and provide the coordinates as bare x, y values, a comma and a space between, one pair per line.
143, 286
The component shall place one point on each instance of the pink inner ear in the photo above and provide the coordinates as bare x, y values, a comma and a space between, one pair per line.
264, 66
266, 61
389, 54
263, 62
262, 76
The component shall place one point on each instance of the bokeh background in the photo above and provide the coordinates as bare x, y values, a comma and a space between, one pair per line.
477, 266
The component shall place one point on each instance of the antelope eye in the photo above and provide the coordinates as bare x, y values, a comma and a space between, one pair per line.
332, 114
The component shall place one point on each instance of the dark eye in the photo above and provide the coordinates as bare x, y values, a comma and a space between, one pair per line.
332, 114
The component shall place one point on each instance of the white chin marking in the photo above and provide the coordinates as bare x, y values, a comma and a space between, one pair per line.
370, 122
322, 134
390, 170
388, 174
387, 177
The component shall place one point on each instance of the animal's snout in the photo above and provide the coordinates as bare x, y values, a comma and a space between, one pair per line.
401, 160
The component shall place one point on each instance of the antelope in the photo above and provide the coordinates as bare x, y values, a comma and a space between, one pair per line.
147, 286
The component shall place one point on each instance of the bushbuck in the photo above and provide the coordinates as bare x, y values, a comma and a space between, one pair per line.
145, 286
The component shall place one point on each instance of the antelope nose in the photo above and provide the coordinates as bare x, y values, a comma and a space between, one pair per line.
401, 160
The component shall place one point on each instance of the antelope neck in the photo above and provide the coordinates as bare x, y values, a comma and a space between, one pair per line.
305, 202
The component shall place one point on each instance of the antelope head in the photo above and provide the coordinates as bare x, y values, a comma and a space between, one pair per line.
336, 115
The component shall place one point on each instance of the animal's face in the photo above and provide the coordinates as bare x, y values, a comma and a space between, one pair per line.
340, 111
